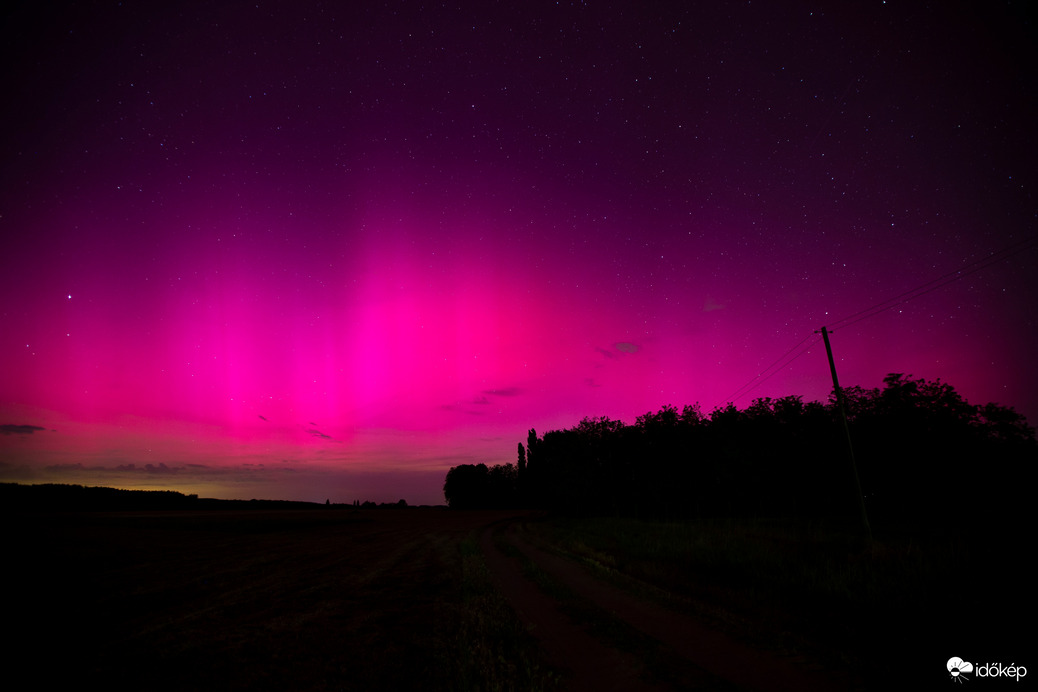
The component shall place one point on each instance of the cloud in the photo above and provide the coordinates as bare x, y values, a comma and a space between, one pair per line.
263, 418
120, 468
710, 305
19, 429
71, 467
161, 468
618, 349
147, 468
506, 391
317, 433
590, 382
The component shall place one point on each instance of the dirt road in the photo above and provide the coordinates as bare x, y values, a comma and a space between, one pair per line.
668, 650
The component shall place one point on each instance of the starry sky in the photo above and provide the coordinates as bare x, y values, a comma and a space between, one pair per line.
319, 250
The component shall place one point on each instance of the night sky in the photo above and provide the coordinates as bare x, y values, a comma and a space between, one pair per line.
302, 250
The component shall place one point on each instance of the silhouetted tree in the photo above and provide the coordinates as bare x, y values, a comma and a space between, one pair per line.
917, 442
471, 486
465, 486
531, 446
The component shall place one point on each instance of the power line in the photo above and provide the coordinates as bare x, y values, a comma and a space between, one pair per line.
783, 367
778, 366
941, 281
783, 361
749, 386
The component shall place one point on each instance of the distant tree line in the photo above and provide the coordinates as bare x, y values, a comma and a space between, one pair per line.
923, 454
61, 497
73, 498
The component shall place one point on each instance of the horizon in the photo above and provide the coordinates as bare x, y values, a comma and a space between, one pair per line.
302, 253
383, 482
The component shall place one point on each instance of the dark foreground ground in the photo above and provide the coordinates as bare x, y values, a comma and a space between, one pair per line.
282, 600
404, 600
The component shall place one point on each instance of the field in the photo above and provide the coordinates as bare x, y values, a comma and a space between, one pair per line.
285, 600
869, 613
432, 599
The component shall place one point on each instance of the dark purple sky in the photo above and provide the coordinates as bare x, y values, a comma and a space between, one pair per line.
306, 250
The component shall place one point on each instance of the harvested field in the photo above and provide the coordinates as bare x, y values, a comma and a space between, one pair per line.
300, 600
430, 599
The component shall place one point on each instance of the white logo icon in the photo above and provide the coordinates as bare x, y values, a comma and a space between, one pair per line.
957, 667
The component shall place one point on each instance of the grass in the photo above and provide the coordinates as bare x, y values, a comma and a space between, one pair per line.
494, 652
403, 600
260, 601
657, 664
801, 587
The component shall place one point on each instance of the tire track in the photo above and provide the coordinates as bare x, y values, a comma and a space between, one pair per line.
731, 662
588, 663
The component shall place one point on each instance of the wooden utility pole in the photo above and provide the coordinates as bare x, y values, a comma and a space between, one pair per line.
847, 432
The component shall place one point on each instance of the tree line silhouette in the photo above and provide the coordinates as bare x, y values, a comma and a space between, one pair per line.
924, 454
62, 497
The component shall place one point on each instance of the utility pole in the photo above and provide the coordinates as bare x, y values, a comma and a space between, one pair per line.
847, 432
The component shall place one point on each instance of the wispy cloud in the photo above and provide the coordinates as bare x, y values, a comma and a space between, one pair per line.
477, 405
19, 429
150, 468
159, 468
505, 391
619, 349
